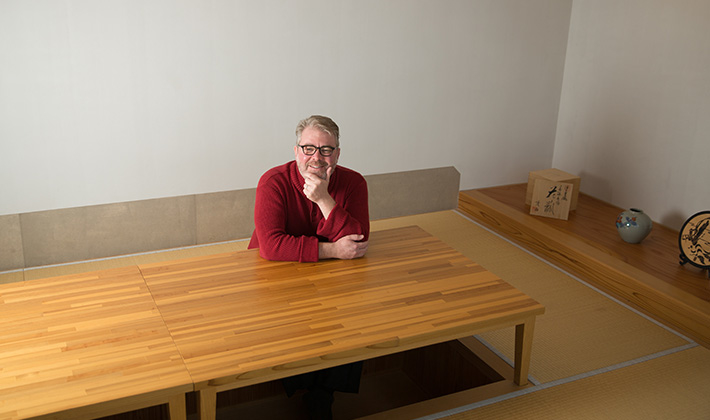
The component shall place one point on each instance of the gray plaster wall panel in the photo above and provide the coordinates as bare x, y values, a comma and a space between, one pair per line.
83, 233
11, 252
225, 216
413, 192
75, 234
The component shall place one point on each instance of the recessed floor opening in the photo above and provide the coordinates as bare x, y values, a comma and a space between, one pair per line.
407, 384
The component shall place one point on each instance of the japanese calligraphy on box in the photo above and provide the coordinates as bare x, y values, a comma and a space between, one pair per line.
551, 199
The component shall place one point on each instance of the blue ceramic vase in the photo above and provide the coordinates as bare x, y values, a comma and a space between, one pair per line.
633, 225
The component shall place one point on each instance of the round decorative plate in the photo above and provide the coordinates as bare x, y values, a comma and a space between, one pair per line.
694, 240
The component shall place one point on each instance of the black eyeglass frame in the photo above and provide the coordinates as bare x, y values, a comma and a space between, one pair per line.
318, 149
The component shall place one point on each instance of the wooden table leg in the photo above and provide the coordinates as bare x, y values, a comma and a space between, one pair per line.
207, 402
176, 407
523, 349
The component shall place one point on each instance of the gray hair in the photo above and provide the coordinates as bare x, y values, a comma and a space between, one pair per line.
321, 123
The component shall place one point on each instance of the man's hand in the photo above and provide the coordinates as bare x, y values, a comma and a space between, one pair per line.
315, 189
345, 248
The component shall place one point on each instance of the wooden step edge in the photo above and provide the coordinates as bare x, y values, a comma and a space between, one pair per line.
652, 295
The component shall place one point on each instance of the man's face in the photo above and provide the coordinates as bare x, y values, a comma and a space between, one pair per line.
317, 163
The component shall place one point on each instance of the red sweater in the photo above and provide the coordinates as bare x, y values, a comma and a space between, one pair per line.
289, 225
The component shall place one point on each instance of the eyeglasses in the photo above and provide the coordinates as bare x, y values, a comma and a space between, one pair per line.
309, 150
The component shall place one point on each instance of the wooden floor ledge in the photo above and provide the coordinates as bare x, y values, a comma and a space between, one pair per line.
596, 257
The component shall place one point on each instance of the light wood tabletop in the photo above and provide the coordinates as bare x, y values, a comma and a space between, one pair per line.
238, 319
86, 346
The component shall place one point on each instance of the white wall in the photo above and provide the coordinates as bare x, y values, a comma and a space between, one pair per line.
110, 101
634, 117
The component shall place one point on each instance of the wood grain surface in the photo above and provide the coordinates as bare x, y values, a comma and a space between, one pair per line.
87, 345
594, 222
239, 319
647, 275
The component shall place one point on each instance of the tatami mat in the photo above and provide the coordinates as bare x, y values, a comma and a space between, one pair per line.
581, 330
11, 276
593, 357
670, 388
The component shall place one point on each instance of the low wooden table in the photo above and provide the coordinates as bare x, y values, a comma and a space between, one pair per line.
239, 320
85, 346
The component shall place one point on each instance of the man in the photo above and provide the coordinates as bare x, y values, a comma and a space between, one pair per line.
310, 208
307, 210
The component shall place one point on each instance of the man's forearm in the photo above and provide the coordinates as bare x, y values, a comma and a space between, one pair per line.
326, 250
345, 248
326, 205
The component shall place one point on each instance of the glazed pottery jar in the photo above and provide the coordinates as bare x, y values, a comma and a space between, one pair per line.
633, 225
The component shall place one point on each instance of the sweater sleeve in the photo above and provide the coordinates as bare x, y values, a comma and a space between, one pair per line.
270, 227
349, 216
